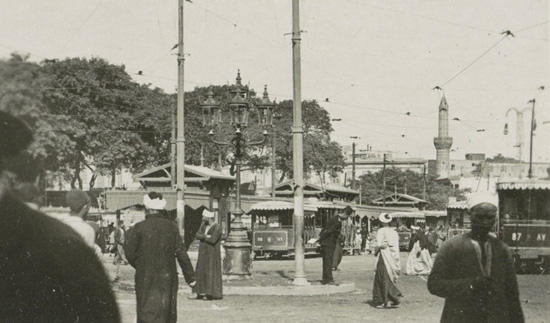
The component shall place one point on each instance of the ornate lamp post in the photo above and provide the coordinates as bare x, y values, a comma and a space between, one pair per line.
237, 260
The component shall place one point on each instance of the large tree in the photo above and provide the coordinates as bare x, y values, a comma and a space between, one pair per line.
409, 182
320, 153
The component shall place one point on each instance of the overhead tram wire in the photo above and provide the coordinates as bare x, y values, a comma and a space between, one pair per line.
80, 28
474, 61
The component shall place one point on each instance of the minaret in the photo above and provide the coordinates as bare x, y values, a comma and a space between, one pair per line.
443, 142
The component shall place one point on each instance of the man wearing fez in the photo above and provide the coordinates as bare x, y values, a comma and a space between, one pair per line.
328, 238
47, 273
152, 247
475, 273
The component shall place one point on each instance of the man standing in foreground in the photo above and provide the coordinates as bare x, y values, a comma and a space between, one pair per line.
209, 264
388, 265
475, 273
151, 248
47, 273
328, 239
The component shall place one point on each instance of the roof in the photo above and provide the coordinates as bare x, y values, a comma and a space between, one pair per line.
399, 199
373, 211
193, 173
286, 186
530, 184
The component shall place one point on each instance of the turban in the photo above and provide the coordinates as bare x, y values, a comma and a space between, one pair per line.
385, 217
482, 197
414, 227
207, 214
156, 203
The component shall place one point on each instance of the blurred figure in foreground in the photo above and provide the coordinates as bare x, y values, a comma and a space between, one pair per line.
47, 273
152, 248
475, 273
79, 205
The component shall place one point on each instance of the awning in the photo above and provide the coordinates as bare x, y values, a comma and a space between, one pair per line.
524, 185
273, 205
436, 214
414, 215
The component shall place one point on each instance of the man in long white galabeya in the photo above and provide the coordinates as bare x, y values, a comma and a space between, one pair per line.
388, 266
419, 261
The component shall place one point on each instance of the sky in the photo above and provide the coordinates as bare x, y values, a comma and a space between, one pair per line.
376, 62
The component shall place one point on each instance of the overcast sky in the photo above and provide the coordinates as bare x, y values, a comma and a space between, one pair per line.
376, 61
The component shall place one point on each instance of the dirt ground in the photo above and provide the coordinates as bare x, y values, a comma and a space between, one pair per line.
418, 305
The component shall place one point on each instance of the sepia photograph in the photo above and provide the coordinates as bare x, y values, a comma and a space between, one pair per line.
169, 161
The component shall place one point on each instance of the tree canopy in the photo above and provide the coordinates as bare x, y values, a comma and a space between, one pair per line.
408, 182
88, 113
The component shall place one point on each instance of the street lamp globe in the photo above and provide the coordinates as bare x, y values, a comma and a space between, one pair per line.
265, 110
211, 111
239, 103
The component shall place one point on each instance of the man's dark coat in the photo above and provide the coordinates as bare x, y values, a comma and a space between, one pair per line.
47, 272
152, 248
455, 270
328, 239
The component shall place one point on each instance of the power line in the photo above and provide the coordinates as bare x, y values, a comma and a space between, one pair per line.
475, 60
81, 26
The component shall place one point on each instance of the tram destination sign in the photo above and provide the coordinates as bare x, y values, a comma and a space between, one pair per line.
527, 235
270, 239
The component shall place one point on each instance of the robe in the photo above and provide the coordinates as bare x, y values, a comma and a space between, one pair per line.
47, 272
388, 267
209, 263
152, 247
419, 261
456, 267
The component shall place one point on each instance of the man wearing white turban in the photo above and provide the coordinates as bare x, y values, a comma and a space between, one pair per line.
475, 273
150, 249
388, 265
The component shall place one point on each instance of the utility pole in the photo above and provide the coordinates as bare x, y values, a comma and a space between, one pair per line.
384, 181
530, 173
353, 166
180, 141
273, 164
298, 154
424, 183
173, 162
353, 162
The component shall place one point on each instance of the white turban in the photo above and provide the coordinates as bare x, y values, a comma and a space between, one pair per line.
207, 214
154, 204
482, 197
385, 217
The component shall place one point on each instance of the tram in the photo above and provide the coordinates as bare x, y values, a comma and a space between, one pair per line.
524, 223
273, 231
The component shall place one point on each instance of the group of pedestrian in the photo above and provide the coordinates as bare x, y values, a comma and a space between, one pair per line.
50, 273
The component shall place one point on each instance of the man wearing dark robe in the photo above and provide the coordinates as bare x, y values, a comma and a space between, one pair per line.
328, 238
209, 263
47, 272
150, 249
475, 273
